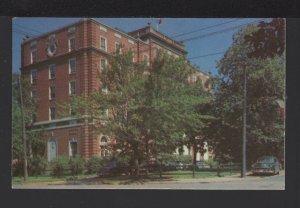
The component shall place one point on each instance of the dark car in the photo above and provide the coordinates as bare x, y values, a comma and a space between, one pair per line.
266, 165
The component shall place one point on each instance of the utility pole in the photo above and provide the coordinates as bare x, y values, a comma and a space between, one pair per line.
243, 174
23, 132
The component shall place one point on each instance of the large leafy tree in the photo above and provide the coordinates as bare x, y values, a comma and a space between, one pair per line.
265, 86
150, 107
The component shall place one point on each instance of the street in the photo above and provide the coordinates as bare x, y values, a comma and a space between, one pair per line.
276, 182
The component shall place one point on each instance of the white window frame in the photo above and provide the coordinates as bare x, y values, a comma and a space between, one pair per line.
70, 60
105, 64
50, 118
31, 76
70, 148
102, 37
50, 93
147, 61
69, 42
118, 35
120, 47
31, 93
72, 29
103, 28
130, 41
70, 87
31, 56
131, 50
49, 68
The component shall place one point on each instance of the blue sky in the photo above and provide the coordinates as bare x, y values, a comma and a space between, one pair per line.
201, 42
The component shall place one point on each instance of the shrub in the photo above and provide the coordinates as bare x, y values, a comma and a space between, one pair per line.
212, 163
60, 166
76, 165
17, 168
94, 164
37, 165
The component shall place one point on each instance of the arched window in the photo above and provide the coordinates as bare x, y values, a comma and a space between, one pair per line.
103, 139
52, 149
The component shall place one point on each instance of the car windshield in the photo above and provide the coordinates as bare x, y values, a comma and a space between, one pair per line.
266, 160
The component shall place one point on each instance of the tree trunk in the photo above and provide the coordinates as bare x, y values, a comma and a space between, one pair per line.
194, 159
30, 149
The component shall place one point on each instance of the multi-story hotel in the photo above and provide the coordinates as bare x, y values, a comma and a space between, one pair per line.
66, 62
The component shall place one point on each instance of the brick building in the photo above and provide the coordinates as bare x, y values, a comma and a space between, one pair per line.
66, 62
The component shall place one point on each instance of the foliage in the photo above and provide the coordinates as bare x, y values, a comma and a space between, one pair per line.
76, 165
37, 165
94, 164
35, 146
268, 40
265, 85
150, 108
60, 166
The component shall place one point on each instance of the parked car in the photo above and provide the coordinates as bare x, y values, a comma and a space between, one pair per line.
266, 165
169, 166
201, 165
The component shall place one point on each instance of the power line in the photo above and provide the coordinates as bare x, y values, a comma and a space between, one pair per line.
219, 31
204, 28
205, 55
28, 28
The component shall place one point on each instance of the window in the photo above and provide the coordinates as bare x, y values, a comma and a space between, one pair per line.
72, 148
118, 48
71, 43
102, 64
103, 29
146, 59
72, 87
52, 113
72, 65
71, 111
103, 139
51, 92
33, 77
52, 149
104, 152
33, 93
52, 71
103, 43
194, 78
33, 55
71, 29
131, 51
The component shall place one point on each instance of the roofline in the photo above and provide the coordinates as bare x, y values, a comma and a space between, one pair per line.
76, 23
157, 32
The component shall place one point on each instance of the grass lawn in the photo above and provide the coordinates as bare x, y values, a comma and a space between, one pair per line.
120, 180
40, 179
198, 174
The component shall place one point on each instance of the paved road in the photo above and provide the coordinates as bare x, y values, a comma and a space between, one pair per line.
276, 182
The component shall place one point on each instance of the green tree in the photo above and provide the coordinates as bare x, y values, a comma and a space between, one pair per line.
147, 105
265, 85
35, 145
